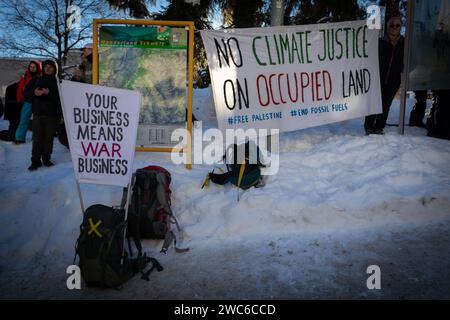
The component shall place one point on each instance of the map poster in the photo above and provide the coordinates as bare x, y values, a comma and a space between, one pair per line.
153, 61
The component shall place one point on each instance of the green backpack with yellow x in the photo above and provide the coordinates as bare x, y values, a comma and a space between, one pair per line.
103, 260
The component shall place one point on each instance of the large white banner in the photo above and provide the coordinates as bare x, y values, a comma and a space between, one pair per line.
293, 77
101, 125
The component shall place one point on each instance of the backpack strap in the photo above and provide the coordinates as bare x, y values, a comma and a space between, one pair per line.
168, 239
123, 202
172, 237
208, 176
155, 264
129, 247
77, 243
104, 252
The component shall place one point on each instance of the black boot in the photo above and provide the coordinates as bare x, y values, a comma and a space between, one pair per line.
374, 131
48, 163
35, 166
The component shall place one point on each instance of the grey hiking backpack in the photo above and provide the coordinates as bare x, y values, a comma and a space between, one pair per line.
150, 212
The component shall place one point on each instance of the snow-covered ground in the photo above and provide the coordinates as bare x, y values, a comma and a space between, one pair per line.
341, 201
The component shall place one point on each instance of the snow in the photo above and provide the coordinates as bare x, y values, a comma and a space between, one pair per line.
340, 202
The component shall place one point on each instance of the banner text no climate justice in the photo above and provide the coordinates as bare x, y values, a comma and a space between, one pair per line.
295, 48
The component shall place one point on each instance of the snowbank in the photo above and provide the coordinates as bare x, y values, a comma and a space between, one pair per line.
332, 179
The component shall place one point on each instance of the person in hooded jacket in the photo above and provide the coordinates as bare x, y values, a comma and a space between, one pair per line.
33, 71
47, 112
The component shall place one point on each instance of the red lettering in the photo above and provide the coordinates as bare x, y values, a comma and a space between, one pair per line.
279, 87
259, 93
89, 148
116, 149
303, 84
330, 82
319, 82
104, 148
289, 87
271, 92
316, 75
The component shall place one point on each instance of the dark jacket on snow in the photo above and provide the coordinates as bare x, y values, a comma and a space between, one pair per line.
12, 108
45, 105
391, 62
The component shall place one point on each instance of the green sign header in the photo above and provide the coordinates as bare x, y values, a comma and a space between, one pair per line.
143, 37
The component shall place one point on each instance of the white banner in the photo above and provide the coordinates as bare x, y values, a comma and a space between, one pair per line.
101, 125
293, 77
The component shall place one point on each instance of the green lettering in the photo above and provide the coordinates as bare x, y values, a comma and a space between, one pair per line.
365, 41
324, 47
276, 47
294, 48
300, 34
254, 52
339, 43
308, 44
268, 50
346, 40
357, 41
284, 46
330, 47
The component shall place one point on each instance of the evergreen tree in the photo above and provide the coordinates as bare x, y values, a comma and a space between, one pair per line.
241, 14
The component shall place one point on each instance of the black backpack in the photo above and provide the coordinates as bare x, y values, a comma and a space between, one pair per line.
103, 260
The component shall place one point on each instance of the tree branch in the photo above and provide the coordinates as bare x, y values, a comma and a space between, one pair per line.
34, 27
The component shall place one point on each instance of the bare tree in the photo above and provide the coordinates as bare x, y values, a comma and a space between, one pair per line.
47, 28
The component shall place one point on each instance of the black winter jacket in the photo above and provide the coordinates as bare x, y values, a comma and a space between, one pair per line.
12, 108
391, 62
45, 105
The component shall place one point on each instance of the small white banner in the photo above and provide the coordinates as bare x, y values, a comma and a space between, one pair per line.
293, 77
101, 125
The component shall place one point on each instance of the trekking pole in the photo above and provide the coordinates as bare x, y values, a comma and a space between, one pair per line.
241, 174
126, 217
